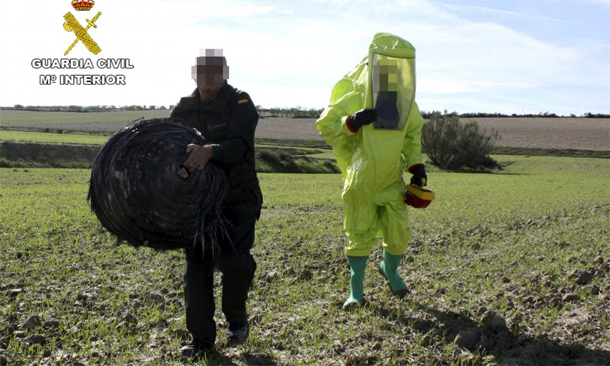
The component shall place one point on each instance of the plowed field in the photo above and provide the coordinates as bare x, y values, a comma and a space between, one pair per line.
544, 133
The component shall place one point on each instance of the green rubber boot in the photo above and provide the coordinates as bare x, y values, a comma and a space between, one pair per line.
389, 269
357, 266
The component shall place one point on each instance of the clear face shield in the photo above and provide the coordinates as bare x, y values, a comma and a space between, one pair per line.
393, 90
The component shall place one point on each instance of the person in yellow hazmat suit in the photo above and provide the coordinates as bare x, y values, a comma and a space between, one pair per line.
374, 127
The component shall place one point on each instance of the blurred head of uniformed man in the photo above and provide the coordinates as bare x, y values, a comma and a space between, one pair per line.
210, 73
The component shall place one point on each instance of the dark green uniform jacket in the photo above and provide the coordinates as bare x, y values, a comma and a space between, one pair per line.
228, 123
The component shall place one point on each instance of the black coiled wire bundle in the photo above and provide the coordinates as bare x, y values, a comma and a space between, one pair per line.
140, 193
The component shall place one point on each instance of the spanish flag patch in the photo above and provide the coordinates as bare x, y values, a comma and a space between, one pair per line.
242, 101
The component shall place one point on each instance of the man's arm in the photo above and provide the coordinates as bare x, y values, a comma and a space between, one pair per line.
240, 134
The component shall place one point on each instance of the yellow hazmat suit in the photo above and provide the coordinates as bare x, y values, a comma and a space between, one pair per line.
373, 158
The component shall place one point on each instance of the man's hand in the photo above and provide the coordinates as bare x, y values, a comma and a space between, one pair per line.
198, 156
361, 118
419, 178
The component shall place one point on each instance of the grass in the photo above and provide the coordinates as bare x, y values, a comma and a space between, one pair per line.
15, 118
52, 138
505, 242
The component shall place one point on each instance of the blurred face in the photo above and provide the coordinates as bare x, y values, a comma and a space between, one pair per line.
386, 76
210, 74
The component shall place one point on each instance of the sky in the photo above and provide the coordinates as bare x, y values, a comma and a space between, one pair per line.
493, 56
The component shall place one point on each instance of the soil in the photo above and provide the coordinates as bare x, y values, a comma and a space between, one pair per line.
550, 133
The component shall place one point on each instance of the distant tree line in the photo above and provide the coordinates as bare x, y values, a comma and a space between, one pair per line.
428, 115
85, 109
294, 112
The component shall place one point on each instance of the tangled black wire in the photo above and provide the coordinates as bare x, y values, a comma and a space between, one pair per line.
140, 193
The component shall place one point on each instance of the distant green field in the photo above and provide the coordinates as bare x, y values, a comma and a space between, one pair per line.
52, 138
14, 118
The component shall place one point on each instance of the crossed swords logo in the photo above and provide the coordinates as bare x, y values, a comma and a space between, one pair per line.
72, 25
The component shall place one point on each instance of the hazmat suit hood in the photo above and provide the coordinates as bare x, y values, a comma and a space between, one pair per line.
391, 80
384, 80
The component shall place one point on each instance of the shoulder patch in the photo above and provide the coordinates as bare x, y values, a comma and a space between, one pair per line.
242, 101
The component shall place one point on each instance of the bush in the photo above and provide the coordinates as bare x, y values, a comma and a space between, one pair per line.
452, 145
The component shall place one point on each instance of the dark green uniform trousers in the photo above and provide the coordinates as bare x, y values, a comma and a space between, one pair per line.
237, 267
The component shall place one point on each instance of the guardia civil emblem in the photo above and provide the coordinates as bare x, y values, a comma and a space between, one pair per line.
82, 35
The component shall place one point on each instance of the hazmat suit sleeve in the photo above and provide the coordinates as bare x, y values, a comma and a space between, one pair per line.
346, 98
333, 129
411, 146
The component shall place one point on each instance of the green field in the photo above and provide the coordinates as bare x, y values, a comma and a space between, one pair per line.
15, 118
509, 242
52, 138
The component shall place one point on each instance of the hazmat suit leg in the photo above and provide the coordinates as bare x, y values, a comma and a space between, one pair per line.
369, 214
394, 224
395, 228
359, 221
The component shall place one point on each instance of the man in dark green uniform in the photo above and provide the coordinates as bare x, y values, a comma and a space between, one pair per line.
227, 118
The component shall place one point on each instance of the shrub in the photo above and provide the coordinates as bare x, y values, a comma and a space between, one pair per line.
452, 145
